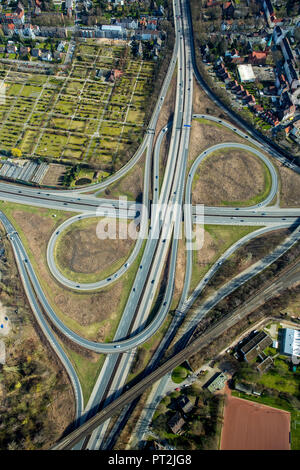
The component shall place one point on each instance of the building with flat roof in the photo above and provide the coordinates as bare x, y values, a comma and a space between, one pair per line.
291, 342
255, 346
246, 73
217, 383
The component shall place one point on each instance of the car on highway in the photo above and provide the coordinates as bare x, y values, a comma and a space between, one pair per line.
57, 233
109, 279
117, 346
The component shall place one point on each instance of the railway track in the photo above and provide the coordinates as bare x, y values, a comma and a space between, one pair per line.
197, 344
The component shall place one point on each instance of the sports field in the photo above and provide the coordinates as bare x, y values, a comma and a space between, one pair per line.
253, 426
77, 114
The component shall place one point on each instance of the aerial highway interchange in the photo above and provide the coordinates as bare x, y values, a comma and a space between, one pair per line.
160, 230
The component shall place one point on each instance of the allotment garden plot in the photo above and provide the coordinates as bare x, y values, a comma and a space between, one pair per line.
92, 112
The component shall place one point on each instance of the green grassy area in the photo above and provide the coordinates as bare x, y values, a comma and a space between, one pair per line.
281, 378
87, 370
223, 237
60, 247
179, 374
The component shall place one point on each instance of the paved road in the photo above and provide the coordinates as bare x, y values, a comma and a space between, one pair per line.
194, 346
156, 250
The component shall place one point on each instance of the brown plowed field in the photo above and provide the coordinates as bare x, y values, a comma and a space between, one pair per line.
252, 426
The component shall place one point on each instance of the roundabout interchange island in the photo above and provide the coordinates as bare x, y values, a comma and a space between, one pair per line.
163, 226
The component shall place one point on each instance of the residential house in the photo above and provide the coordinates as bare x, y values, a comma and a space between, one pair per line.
287, 107
61, 47
28, 31
257, 109
227, 10
11, 48
24, 51
176, 423
291, 75
69, 7
184, 404
46, 56
286, 49
58, 55
51, 31
36, 52
257, 58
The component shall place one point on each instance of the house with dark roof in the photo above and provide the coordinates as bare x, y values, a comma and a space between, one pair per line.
287, 107
228, 10
254, 346
176, 423
184, 404
286, 49
291, 75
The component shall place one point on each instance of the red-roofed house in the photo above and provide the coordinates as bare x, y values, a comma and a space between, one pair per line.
257, 58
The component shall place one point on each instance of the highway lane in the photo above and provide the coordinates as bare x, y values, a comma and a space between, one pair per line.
128, 396
176, 198
158, 226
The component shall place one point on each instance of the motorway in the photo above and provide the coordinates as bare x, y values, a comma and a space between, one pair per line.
194, 346
161, 235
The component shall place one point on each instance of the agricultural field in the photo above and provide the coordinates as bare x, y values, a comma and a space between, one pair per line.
76, 114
